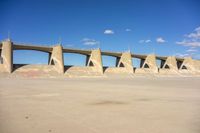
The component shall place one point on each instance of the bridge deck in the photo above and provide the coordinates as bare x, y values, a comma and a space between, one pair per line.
78, 51
114, 54
32, 47
49, 49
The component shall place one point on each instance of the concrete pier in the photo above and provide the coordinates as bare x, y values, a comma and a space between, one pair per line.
57, 59
169, 65
189, 66
125, 61
7, 56
148, 65
94, 60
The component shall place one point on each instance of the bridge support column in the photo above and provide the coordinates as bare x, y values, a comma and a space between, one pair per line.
125, 61
148, 65
171, 63
150, 62
57, 58
190, 65
49, 58
94, 60
7, 56
169, 66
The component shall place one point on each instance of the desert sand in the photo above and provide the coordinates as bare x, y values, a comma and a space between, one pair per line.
100, 105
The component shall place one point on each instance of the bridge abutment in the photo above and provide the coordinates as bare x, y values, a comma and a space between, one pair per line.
7, 56
56, 58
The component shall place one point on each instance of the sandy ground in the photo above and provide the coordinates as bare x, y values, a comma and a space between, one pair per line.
100, 105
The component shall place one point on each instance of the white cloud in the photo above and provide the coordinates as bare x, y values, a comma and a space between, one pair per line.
191, 50
90, 42
128, 30
182, 55
145, 41
192, 39
189, 43
108, 31
194, 35
160, 40
188, 54
197, 29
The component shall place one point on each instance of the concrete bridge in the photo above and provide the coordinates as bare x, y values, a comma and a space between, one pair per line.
168, 65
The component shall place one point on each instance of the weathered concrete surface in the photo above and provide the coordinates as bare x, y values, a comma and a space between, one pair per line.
57, 59
7, 56
189, 66
81, 71
148, 66
95, 61
126, 61
197, 65
93, 66
169, 66
123, 65
2, 68
116, 70
34, 70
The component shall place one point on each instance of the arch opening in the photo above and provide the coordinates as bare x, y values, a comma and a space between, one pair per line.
74, 59
146, 65
30, 57
91, 63
52, 62
136, 62
179, 63
166, 66
159, 63
121, 65
109, 61
184, 67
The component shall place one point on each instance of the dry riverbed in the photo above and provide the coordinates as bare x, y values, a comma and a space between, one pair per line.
100, 105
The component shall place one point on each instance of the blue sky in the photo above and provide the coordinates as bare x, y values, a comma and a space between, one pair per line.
163, 27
